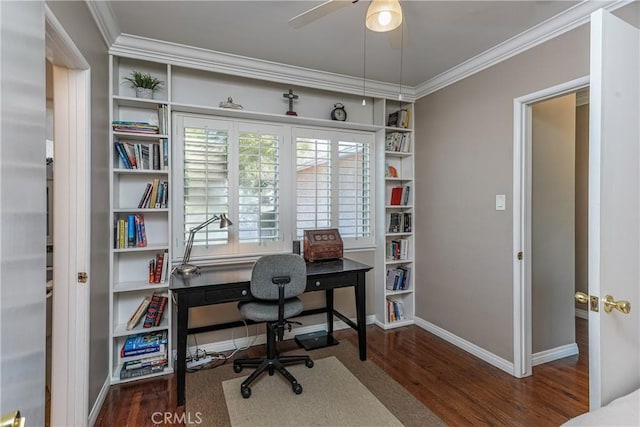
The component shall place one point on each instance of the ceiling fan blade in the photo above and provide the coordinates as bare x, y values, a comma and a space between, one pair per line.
318, 12
399, 37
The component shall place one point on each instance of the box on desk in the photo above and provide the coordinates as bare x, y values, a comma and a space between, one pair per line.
322, 244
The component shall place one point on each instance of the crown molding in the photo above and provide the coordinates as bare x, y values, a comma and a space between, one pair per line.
105, 20
553, 27
133, 46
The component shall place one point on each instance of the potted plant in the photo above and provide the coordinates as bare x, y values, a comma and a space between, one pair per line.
144, 84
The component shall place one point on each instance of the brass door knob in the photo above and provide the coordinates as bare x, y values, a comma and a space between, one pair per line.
581, 297
610, 304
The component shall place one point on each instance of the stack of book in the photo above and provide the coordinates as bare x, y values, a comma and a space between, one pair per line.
134, 127
398, 279
143, 354
130, 232
395, 310
145, 156
151, 309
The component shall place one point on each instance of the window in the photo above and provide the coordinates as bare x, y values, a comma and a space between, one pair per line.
273, 181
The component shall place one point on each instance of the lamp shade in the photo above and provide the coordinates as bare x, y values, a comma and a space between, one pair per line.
384, 15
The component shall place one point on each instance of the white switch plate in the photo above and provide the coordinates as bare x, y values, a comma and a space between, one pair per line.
501, 202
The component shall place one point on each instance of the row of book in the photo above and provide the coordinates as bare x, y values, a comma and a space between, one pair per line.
151, 309
395, 310
400, 195
399, 222
130, 232
163, 119
399, 119
398, 279
134, 127
155, 195
143, 156
144, 354
398, 249
397, 141
159, 268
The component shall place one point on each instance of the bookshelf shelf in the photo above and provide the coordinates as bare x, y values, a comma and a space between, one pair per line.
399, 292
140, 164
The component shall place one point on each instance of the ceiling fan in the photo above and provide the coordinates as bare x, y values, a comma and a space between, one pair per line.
382, 16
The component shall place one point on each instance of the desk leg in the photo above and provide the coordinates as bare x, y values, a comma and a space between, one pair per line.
181, 356
329, 305
361, 314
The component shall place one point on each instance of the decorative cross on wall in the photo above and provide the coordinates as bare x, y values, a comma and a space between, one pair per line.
291, 97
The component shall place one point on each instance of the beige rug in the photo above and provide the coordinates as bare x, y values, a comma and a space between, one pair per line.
332, 396
206, 404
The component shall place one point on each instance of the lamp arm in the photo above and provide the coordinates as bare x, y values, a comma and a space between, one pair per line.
192, 233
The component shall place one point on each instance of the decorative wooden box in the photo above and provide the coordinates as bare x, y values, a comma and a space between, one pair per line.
322, 244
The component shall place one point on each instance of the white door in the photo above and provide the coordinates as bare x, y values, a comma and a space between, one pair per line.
614, 209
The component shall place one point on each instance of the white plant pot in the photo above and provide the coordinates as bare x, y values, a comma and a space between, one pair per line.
142, 92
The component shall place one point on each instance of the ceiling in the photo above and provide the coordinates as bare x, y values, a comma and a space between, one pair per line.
439, 34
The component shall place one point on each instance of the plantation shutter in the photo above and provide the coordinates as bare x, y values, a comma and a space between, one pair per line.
313, 184
354, 189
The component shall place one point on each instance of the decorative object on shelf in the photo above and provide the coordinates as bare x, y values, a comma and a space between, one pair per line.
322, 244
391, 171
144, 84
185, 269
291, 97
338, 112
230, 104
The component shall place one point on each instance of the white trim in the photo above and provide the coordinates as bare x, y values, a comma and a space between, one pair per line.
534, 36
97, 406
105, 19
467, 346
522, 219
582, 314
232, 344
60, 49
143, 48
554, 354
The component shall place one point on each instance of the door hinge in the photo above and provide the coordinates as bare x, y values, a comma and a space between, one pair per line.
520, 256
83, 277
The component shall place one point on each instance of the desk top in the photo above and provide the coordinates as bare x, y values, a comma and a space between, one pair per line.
229, 275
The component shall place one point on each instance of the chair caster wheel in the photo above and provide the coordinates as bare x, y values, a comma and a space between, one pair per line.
246, 392
237, 368
309, 363
297, 388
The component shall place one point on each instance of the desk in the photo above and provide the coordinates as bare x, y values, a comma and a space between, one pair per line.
216, 285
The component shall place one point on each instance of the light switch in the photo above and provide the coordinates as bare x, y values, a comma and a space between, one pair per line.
501, 202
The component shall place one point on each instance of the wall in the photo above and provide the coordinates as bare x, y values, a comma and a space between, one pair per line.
582, 200
464, 154
78, 23
22, 210
553, 223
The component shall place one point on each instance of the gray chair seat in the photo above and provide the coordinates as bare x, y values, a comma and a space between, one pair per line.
268, 312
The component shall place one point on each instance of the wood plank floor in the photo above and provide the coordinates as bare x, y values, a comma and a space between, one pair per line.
460, 388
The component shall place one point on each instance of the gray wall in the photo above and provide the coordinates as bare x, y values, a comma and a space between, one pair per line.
464, 157
78, 23
582, 200
553, 269
22, 210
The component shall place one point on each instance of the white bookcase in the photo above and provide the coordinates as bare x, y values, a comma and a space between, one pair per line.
130, 282
395, 281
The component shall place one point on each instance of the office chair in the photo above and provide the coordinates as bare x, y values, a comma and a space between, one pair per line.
276, 281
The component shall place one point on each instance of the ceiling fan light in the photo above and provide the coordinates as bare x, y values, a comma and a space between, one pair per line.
384, 15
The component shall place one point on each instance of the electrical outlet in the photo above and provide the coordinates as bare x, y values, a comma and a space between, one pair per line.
202, 361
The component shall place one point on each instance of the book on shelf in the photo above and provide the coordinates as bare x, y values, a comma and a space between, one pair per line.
398, 278
145, 195
406, 195
397, 141
152, 311
396, 196
144, 362
143, 156
145, 340
134, 127
394, 222
399, 119
395, 310
160, 313
127, 355
137, 315
406, 222
163, 118
130, 232
155, 267
154, 194
146, 370
165, 153
398, 249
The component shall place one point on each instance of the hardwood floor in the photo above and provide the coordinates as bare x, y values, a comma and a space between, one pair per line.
458, 387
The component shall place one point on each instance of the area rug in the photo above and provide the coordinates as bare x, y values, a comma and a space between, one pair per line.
206, 404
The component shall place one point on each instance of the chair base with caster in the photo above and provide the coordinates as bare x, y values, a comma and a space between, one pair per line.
271, 363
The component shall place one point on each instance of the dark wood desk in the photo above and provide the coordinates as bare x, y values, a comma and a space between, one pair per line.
216, 285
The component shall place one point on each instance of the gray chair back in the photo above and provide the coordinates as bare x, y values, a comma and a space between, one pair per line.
279, 265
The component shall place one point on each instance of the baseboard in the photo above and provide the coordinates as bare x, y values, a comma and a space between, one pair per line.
467, 346
97, 406
554, 354
582, 314
227, 345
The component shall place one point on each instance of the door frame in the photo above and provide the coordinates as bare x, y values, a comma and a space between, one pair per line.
522, 178
71, 223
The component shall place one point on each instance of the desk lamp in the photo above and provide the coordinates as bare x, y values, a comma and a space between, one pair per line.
185, 269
